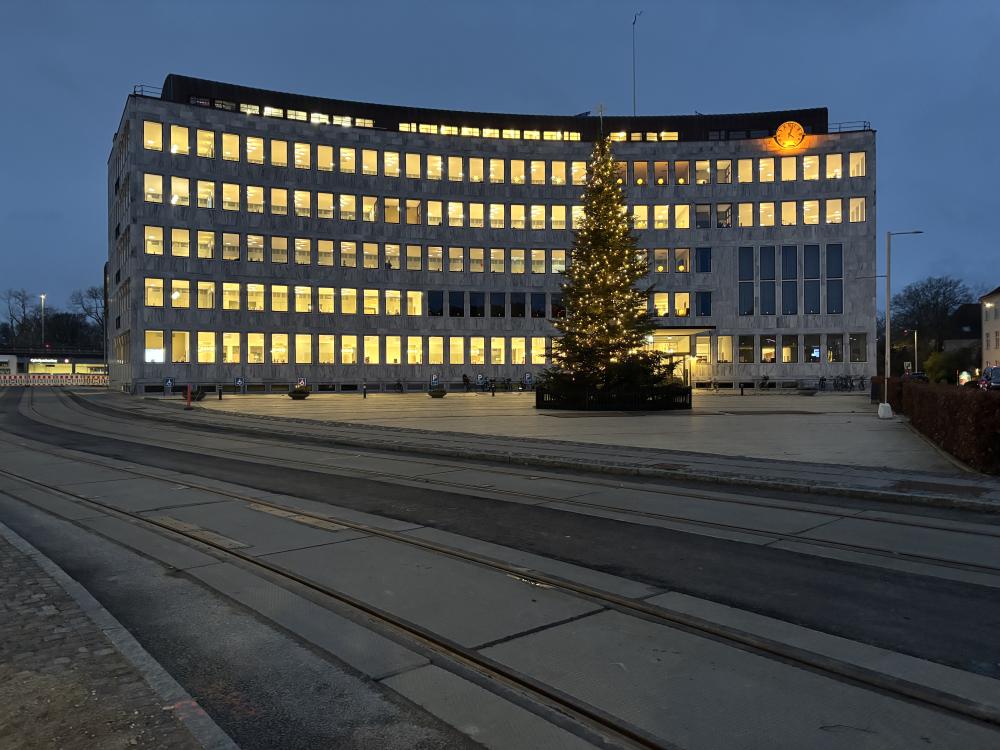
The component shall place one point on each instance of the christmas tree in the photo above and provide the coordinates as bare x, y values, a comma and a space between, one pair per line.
606, 326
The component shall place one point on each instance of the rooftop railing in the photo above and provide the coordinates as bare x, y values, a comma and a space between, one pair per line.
141, 89
849, 126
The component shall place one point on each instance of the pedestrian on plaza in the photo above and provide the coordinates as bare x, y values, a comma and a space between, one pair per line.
364, 390
493, 387
715, 385
466, 382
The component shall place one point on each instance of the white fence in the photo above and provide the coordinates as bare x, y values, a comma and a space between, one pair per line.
42, 379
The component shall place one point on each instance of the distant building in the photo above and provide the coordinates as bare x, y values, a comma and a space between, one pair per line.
990, 323
262, 237
964, 328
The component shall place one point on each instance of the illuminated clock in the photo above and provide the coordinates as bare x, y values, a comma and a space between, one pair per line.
789, 134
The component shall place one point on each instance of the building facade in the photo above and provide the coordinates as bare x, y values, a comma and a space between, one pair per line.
990, 305
260, 238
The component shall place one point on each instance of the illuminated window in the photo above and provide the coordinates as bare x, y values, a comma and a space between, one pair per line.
206, 295
498, 217
371, 350
230, 295
324, 205
301, 152
393, 345
152, 136
744, 170
369, 208
723, 215
455, 171
414, 211
279, 298
456, 259
810, 212
682, 216
498, 260
537, 172
179, 143
206, 347
857, 209
538, 352
279, 201
511, 133
456, 214
723, 171
414, 350
497, 170
348, 301
206, 194
414, 303
661, 171
435, 350
538, 261
661, 304
180, 347
497, 347
205, 143
434, 213
682, 172
303, 251
154, 292
348, 207
153, 240
348, 255
640, 172
324, 252
682, 260
180, 293
324, 158
810, 167
834, 166
476, 259
517, 263
326, 296
702, 172
745, 215
279, 153
621, 172
682, 304
413, 257
348, 350
154, 351
517, 216
390, 164
369, 161
255, 200
537, 216
180, 243
369, 254
303, 349
576, 217
255, 247
788, 216
476, 217
230, 197
255, 348
434, 167
856, 164
392, 261
255, 150
326, 346
347, 160
279, 348
788, 170
279, 249
766, 215
231, 348
255, 297
640, 217
661, 260
456, 350
413, 166
370, 303
516, 172
518, 350
230, 147
393, 302
834, 211
765, 169
153, 188
557, 217
390, 213
477, 350
274, 112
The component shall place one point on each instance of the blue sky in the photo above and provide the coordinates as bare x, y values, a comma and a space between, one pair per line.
924, 74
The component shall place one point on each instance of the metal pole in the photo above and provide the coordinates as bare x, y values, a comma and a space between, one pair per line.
43, 321
888, 294
634, 19
916, 364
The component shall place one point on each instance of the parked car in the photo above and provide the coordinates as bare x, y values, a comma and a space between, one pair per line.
994, 382
984, 379
917, 377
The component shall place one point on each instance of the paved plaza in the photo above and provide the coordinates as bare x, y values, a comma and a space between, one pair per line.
827, 428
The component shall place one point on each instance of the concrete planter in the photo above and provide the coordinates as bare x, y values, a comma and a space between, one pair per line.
439, 393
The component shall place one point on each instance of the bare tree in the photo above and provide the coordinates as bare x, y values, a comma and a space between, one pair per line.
21, 314
928, 305
89, 303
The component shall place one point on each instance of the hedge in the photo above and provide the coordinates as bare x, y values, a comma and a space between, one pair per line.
963, 420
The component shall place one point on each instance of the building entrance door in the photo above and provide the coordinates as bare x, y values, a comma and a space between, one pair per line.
674, 349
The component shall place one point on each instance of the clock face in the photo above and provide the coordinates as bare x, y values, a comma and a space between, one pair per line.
789, 134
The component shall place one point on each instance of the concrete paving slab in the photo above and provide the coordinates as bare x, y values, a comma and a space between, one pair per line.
970, 687
529, 561
49, 501
365, 650
334, 511
543, 487
704, 695
955, 546
157, 546
264, 533
137, 495
64, 472
489, 719
461, 601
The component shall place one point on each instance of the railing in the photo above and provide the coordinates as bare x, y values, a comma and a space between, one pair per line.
141, 89
849, 126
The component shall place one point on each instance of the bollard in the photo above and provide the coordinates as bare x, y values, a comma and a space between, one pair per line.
220, 393
188, 407
741, 389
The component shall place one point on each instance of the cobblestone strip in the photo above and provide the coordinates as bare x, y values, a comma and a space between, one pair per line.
71, 677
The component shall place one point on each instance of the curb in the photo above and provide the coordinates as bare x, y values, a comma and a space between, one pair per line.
194, 718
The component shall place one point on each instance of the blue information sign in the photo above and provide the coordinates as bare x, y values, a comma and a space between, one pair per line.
240, 382
168, 382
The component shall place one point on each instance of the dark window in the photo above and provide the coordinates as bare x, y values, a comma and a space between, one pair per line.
537, 305
497, 305
767, 298
810, 299
789, 262
703, 216
834, 261
746, 350
703, 259
857, 344
746, 298
703, 303
767, 262
477, 305
517, 305
811, 347
835, 297
435, 303
746, 264
810, 261
456, 304
789, 298
558, 308
835, 347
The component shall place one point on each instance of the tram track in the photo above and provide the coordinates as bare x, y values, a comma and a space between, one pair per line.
594, 718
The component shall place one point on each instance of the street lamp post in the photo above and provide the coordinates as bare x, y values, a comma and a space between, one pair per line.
43, 320
884, 410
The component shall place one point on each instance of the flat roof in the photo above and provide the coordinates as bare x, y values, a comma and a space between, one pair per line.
698, 127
